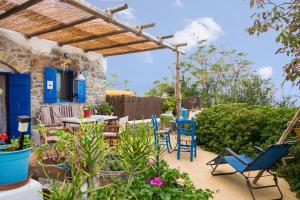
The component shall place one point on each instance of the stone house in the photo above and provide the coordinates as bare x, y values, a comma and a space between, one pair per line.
24, 77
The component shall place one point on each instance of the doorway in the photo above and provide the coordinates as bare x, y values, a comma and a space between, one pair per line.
3, 104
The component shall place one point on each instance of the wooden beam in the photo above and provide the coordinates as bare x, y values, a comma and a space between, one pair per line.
134, 51
144, 26
117, 8
83, 5
116, 45
163, 37
62, 26
93, 37
19, 8
177, 86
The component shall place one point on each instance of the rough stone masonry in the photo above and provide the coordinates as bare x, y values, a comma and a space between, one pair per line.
21, 55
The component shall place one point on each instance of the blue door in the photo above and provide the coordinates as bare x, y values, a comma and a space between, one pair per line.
18, 101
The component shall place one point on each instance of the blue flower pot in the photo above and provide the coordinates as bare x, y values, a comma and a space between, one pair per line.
14, 166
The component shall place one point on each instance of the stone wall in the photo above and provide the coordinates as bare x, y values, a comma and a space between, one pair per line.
22, 59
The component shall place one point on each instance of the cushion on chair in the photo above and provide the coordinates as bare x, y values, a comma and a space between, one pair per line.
236, 164
110, 134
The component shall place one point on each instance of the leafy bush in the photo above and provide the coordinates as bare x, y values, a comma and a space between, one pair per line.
241, 126
171, 184
169, 104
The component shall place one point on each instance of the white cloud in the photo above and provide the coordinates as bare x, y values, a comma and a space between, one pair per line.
127, 15
178, 3
147, 57
265, 72
199, 29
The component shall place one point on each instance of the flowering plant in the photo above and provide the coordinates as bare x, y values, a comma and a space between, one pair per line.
3, 136
156, 181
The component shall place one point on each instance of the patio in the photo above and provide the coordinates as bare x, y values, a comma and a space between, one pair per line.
232, 186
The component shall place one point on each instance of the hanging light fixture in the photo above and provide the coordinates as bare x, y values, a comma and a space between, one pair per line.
80, 77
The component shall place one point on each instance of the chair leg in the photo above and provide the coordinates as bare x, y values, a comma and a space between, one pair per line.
250, 187
178, 149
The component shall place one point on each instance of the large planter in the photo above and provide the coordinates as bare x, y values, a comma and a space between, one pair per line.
14, 166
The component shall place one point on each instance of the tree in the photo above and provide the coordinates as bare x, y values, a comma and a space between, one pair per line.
218, 76
126, 84
283, 16
112, 81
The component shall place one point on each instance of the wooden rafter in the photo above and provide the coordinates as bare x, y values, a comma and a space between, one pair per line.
19, 8
62, 26
116, 45
93, 37
134, 51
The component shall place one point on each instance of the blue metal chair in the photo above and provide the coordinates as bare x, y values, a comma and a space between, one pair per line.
263, 161
161, 137
186, 128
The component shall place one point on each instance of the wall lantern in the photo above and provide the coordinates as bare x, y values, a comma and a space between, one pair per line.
80, 77
23, 128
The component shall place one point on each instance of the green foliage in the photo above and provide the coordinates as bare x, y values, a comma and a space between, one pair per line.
168, 104
87, 107
241, 126
218, 76
14, 144
292, 171
176, 185
134, 148
85, 152
104, 108
283, 17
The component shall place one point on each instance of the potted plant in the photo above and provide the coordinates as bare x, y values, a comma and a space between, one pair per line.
14, 162
87, 111
48, 161
104, 109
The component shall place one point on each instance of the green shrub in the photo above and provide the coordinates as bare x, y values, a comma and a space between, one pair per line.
241, 126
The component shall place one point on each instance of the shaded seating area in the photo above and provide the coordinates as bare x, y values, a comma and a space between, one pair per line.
244, 164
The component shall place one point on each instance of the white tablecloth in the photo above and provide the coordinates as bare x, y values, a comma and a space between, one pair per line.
31, 191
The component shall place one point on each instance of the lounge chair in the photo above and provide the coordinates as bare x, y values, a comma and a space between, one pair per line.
244, 164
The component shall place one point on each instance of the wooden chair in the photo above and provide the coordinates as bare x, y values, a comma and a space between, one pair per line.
113, 130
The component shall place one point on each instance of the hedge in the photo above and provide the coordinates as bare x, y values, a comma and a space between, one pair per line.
241, 126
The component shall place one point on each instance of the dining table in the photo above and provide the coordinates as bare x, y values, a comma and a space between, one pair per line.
91, 119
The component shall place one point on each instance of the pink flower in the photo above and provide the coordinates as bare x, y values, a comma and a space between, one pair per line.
156, 181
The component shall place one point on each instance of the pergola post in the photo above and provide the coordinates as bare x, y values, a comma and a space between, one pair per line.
177, 85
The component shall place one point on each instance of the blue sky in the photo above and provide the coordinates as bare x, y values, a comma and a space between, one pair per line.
221, 22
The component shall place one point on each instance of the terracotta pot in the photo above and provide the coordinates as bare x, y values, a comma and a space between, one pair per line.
297, 131
87, 113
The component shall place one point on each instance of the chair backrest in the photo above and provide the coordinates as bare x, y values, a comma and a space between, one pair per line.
270, 156
186, 127
123, 121
154, 123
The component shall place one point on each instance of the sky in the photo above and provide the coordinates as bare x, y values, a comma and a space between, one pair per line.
220, 22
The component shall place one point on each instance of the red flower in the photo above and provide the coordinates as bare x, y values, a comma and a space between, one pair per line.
3, 136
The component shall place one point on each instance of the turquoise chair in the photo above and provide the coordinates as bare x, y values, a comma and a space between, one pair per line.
161, 137
186, 128
244, 164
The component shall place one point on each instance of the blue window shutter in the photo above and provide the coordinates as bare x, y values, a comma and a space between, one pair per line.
18, 101
50, 95
81, 91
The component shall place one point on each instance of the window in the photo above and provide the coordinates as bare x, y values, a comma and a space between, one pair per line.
64, 85
60, 86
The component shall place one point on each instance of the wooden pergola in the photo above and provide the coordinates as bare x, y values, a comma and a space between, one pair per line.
81, 25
